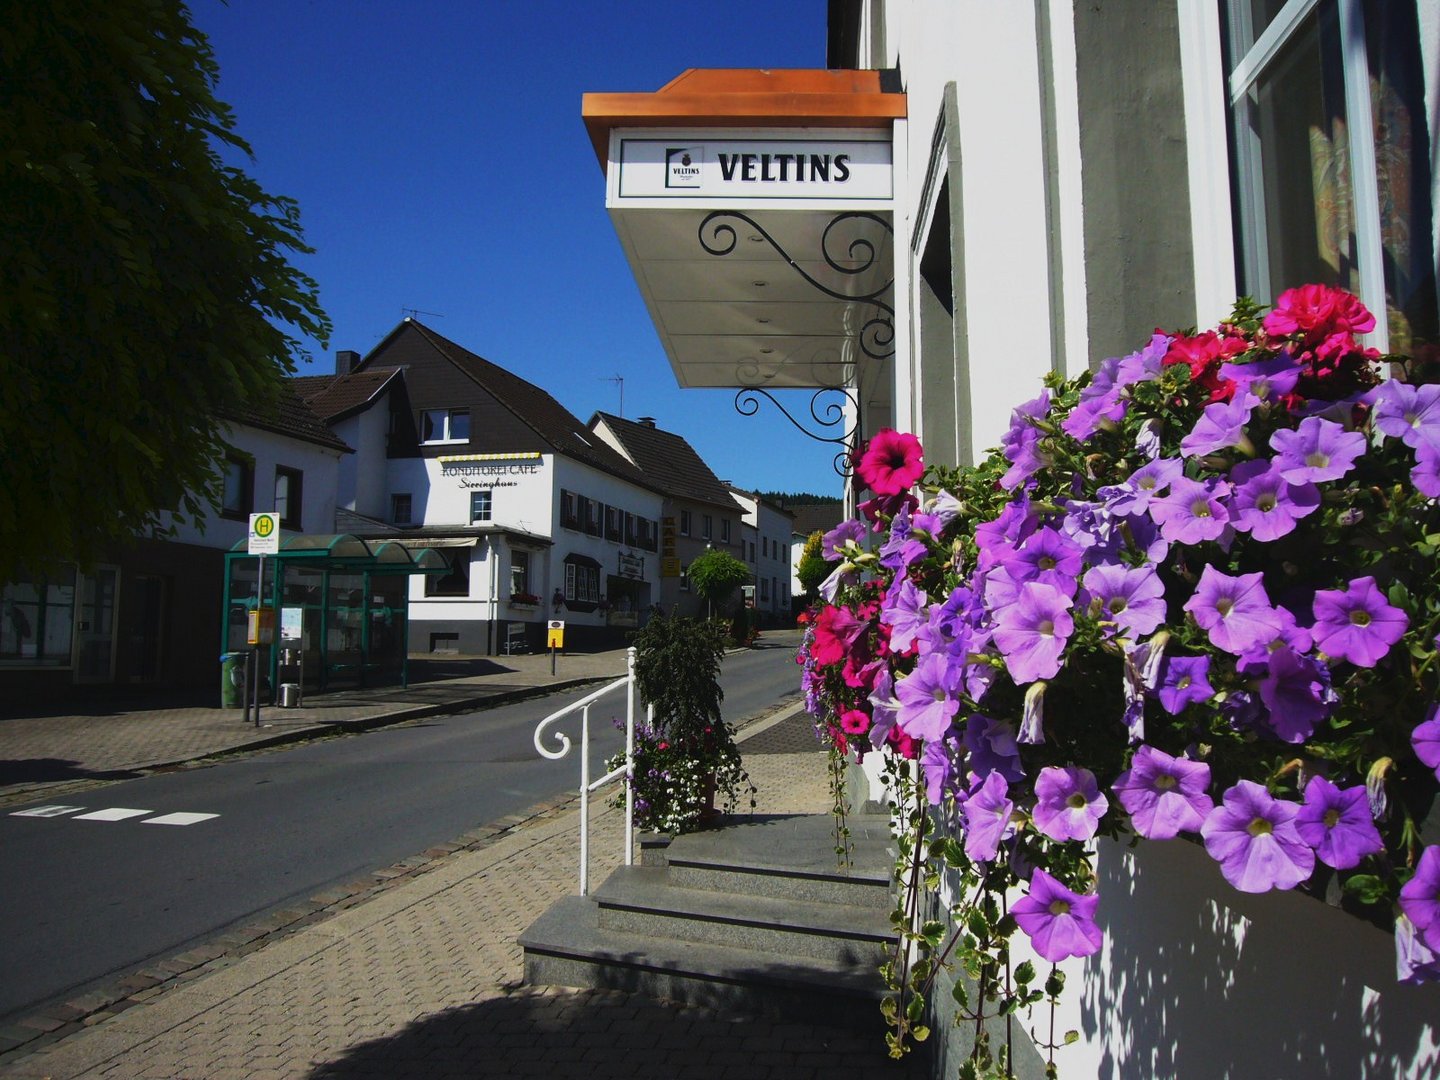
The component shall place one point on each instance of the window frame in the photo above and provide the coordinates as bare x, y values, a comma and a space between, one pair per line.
447, 426
482, 497
292, 516
395, 504
246, 502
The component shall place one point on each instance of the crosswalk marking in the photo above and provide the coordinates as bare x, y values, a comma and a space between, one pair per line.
47, 811
178, 819
114, 813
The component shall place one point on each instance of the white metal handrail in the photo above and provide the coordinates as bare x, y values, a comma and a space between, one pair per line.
627, 770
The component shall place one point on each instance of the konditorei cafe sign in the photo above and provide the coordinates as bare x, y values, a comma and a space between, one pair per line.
843, 169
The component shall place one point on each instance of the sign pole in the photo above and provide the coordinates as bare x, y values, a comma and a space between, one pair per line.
260, 598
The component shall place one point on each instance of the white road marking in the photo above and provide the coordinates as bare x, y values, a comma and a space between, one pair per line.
114, 813
178, 819
47, 811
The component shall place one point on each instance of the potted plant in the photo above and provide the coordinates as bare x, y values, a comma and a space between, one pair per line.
687, 767
1194, 594
524, 599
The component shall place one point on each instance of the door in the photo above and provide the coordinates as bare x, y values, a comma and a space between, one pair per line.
95, 626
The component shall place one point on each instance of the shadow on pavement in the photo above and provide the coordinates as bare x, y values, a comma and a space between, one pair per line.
596, 1034
50, 770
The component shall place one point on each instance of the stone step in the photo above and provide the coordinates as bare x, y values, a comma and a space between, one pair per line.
645, 900
567, 946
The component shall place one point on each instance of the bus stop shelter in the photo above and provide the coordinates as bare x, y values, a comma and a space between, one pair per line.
338, 605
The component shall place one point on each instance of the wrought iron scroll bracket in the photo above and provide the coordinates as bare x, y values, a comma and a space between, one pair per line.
831, 415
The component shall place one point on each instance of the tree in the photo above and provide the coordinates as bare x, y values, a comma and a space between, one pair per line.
144, 284
715, 575
812, 569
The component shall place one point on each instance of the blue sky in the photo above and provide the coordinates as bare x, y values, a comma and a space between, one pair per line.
440, 163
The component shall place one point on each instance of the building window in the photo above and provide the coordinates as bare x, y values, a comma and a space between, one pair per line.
37, 621
725, 530
288, 496
445, 426
582, 583
480, 506
1328, 120
684, 522
630, 534
707, 527
520, 573
764, 589
612, 524
752, 551
456, 580
237, 490
594, 516
569, 509
400, 508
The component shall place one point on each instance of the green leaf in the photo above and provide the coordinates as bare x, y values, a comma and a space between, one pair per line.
1025, 973
1367, 888
1071, 1037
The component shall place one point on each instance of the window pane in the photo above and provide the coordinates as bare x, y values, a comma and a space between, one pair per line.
235, 496
282, 495
480, 506
432, 425
459, 424
1297, 215
519, 572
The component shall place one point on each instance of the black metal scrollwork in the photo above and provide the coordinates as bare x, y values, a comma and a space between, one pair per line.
831, 415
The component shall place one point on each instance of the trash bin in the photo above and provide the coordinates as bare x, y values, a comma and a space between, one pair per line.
289, 695
232, 680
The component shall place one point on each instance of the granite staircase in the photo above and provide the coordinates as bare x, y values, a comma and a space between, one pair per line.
754, 915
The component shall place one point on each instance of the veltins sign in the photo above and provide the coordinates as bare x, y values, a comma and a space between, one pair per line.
762, 168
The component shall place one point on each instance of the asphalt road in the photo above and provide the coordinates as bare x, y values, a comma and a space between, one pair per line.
86, 900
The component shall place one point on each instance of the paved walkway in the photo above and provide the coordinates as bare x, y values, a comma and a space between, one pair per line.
422, 978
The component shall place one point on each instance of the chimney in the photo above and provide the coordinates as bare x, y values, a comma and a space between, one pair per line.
645, 421
346, 361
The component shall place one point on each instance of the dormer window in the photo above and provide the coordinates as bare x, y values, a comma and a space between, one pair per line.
445, 426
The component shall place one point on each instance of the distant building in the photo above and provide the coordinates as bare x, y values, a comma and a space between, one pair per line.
766, 530
537, 518
809, 518
698, 512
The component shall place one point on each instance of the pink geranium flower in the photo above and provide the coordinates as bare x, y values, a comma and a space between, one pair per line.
892, 462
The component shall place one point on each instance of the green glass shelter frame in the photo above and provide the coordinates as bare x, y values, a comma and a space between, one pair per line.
352, 597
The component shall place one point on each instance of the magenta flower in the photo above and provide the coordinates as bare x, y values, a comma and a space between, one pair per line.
1316, 451
1337, 824
1133, 598
1059, 923
1221, 425
1426, 740
1031, 633
1252, 836
1265, 504
1408, 413
1357, 624
1184, 680
1164, 795
1068, 803
1420, 897
1192, 511
1234, 611
987, 818
893, 462
929, 697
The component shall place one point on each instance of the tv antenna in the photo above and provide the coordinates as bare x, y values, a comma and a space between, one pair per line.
411, 312
618, 380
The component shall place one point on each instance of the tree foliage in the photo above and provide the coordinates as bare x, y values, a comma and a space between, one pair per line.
144, 283
812, 569
716, 574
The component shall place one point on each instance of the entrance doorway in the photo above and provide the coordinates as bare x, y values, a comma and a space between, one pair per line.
95, 626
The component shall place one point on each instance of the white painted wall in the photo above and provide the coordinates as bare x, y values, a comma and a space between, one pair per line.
362, 485
520, 491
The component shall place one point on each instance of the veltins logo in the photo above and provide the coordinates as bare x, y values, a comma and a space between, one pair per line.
682, 166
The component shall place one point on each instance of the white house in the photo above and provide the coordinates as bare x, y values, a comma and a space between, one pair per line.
767, 530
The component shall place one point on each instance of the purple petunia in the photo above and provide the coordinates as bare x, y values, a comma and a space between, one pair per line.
1268, 379
1426, 740
1357, 624
1192, 511
1221, 426
1316, 451
1420, 897
1296, 690
991, 747
937, 764
929, 697
1068, 803
1021, 443
1059, 923
1047, 556
1415, 963
1133, 598
1266, 505
1337, 823
986, 814
1408, 413
1164, 795
906, 612
1132, 497
1031, 633
832, 546
1426, 473
1252, 836
1234, 611
1184, 680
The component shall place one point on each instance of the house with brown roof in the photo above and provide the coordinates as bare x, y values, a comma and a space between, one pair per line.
698, 512
537, 517
765, 532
